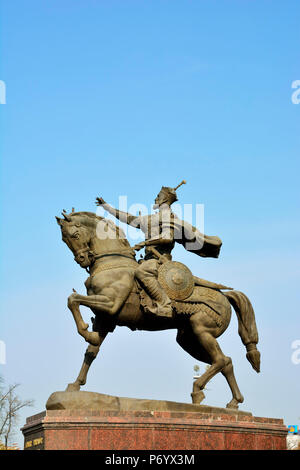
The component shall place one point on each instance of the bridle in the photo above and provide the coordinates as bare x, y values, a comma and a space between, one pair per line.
81, 251
124, 253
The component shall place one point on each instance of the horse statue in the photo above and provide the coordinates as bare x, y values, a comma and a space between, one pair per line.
117, 299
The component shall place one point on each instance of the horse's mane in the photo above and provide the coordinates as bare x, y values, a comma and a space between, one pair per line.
94, 218
88, 214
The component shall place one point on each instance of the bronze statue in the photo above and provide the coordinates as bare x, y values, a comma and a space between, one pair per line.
155, 293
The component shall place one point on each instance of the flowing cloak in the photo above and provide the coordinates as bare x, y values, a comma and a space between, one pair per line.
195, 241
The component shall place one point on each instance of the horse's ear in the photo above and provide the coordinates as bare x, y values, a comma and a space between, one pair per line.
58, 220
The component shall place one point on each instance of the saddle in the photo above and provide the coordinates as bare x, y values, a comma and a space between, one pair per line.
184, 289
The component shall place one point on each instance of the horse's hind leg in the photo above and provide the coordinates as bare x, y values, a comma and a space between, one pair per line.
228, 373
203, 329
217, 364
89, 357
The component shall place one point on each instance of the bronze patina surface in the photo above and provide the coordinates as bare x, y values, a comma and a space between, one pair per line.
155, 293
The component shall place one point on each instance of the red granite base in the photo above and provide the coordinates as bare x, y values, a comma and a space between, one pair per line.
151, 430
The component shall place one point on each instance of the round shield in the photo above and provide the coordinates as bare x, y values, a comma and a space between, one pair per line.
176, 279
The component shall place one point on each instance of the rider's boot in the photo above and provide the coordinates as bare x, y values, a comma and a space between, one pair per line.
163, 303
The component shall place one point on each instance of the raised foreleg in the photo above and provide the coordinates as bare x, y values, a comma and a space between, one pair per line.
82, 327
109, 294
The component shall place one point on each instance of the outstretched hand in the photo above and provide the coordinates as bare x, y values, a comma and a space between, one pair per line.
100, 201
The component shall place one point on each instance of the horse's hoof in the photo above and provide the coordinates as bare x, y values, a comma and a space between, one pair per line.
197, 397
74, 387
233, 404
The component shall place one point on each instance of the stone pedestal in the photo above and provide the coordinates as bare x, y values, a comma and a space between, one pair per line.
153, 425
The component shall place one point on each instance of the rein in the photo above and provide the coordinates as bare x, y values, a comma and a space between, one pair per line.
85, 250
113, 254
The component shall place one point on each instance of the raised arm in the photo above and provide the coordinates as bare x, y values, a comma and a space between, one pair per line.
122, 216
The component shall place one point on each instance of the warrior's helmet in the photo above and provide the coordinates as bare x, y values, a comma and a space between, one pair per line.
169, 194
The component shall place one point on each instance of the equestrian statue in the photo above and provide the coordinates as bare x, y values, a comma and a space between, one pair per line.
155, 293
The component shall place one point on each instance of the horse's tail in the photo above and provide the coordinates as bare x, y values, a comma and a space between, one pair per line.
247, 325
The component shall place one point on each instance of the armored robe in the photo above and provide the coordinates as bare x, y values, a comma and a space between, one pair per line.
161, 231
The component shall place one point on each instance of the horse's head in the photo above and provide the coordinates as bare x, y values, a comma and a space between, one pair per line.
77, 234
88, 236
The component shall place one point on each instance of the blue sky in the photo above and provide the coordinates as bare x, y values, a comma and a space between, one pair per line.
108, 98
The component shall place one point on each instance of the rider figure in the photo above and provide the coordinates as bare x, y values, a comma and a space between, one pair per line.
159, 239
